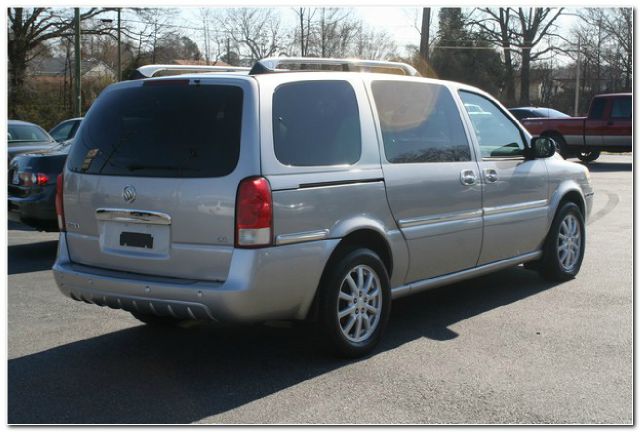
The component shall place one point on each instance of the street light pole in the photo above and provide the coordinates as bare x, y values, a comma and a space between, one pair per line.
119, 50
577, 99
77, 65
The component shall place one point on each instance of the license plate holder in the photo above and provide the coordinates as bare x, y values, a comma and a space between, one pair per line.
136, 239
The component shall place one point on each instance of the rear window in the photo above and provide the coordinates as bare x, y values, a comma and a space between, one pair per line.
621, 108
25, 132
316, 123
168, 130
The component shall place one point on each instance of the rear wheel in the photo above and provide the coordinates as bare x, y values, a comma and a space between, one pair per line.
588, 156
155, 320
355, 302
564, 247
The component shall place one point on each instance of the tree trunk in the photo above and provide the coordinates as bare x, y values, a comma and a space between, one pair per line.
509, 79
524, 75
302, 53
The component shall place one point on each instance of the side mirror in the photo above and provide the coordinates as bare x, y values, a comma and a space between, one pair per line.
542, 147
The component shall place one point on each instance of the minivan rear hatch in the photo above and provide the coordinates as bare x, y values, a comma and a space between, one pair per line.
152, 176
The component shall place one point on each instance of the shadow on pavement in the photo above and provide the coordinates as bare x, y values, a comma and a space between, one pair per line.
145, 375
609, 166
16, 226
31, 257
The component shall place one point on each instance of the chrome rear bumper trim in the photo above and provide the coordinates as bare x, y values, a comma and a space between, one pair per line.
133, 216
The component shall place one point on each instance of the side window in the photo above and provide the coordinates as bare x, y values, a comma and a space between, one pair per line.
621, 108
61, 132
596, 112
316, 123
497, 135
419, 122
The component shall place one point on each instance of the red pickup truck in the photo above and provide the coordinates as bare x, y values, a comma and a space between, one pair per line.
607, 127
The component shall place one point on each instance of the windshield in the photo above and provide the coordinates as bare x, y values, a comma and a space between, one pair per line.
26, 133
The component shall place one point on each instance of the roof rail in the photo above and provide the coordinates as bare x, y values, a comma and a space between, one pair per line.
149, 71
273, 64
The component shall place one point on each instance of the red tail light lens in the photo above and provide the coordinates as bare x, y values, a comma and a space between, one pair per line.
60, 203
41, 179
254, 213
32, 179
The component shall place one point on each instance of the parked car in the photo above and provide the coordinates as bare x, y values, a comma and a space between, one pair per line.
245, 197
32, 187
607, 127
536, 112
65, 130
25, 137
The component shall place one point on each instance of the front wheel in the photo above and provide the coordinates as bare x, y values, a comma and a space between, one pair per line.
355, 302
564, 247
588, 156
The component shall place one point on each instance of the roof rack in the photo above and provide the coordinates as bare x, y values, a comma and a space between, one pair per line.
149, 71
273, 64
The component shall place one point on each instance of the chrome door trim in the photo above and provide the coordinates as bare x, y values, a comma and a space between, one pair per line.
515, 207
448, 217
133, 216
425, 284
307, 236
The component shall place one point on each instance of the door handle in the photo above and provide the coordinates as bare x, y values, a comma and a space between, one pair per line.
468, 177
491, 175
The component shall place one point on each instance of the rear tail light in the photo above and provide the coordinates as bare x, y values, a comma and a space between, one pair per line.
40, 179
60, 203
32, 179
254, 213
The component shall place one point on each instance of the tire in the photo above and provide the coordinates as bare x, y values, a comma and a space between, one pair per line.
567, 233
155, 320
345, 290
561, 144
588, 156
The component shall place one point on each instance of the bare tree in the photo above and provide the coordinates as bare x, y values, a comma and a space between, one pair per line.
258, 30
157, 22
496, 25
518, 31
374, 45
304, 32
615, 26
29, 31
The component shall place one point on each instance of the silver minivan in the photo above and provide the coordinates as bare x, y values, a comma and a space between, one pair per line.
305, 189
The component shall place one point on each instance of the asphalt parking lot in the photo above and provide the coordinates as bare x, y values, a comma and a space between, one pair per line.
503, 348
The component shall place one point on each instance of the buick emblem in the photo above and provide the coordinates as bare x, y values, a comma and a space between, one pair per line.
129, 194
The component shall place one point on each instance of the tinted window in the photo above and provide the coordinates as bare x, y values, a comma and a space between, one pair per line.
597, 108
497, 135
26, 132
62, 131
316, 123
169, 130
420, 123
519, 113
621, 108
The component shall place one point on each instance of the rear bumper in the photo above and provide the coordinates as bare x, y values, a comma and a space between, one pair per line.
36, 210
260, 286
